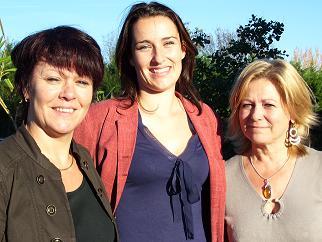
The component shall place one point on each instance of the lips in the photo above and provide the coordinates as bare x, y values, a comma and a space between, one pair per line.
64, 110
162, 70
256, 127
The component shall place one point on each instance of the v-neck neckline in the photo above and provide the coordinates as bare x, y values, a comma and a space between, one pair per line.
287, 189
148, 134
251, 185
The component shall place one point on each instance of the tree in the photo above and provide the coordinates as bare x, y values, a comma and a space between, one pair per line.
111, 84
215, 73
8, 98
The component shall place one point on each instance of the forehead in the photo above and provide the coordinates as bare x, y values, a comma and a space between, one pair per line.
43, 68
154, 27
262, 88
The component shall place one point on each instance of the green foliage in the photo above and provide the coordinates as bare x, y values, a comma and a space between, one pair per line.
8, 99
111, 84
215, 74
313, 77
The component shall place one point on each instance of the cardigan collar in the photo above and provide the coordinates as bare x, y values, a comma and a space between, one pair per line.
28, 144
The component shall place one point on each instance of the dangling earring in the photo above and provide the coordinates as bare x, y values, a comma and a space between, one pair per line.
293, 137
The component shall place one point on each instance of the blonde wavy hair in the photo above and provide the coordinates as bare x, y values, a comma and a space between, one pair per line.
297, 98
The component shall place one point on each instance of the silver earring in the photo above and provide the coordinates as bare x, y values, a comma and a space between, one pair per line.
294, 137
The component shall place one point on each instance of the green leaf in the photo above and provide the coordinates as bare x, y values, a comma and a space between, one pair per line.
9, 84
3, 105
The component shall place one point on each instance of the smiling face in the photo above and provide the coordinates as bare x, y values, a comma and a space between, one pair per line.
59, 100
157, 53
262, 116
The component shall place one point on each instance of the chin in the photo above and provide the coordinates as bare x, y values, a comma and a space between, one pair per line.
61, 131
258, 140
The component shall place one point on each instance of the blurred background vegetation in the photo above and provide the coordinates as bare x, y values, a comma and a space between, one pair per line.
222, 55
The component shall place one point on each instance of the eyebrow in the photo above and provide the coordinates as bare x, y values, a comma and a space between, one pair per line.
265, 100
163, 39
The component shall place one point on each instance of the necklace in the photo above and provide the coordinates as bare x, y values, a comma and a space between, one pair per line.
145, 109
69, 166
267, 188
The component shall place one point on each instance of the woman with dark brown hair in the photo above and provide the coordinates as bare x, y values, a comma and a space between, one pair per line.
49, 188
157, 146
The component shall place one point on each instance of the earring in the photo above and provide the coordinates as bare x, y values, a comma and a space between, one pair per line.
293, 136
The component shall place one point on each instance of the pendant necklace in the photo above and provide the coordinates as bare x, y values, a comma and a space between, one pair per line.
267, 188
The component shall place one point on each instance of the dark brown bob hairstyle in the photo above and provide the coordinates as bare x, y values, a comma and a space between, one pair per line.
63, 47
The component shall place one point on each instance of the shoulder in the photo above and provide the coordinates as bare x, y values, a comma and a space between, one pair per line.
108, 107
233, 168
211, 118
10, 155
233, 162
313, 153
109, 103
9, 152
98, 113
82, 151
314, 157
207, 111
103, 107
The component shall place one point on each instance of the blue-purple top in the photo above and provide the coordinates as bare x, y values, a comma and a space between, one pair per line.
161, 200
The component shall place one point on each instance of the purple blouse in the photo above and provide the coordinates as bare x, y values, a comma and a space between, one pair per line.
162, 195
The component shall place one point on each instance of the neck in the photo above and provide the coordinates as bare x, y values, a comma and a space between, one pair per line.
270, 156
161, 104
56, 149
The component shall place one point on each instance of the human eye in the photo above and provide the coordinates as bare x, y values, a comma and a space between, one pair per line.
169, 43
143, 47
269, 105
246, 105
53, 79
84, 82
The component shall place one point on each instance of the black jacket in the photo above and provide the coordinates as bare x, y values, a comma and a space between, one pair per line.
33, 203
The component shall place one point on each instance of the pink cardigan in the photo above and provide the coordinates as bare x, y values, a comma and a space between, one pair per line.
109, 132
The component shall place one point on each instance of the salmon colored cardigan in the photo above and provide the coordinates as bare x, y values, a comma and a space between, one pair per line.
109, 133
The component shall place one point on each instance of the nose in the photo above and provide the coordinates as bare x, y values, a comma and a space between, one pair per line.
68, 91
257, 112
157, 56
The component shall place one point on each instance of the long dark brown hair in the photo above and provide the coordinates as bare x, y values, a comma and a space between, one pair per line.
123, 54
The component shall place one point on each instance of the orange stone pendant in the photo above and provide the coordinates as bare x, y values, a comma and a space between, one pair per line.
267, 189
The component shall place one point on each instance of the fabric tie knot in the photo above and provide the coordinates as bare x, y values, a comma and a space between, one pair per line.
183, 192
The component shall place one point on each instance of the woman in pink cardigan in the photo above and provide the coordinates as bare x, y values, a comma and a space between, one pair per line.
157, 146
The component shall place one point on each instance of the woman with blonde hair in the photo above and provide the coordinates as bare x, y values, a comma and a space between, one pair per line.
275, 176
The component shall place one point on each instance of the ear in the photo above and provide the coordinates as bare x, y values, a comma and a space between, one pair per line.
183, 50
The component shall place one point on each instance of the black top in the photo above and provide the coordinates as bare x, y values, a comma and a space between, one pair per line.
90, 219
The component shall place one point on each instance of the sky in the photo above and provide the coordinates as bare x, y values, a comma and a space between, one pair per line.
102, 18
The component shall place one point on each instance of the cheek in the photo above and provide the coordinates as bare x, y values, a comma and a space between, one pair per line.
44, 92
85, 97
176, 56
243, 115
140, 60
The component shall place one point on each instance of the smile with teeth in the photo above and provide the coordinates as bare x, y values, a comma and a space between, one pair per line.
160, 70
65, 110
